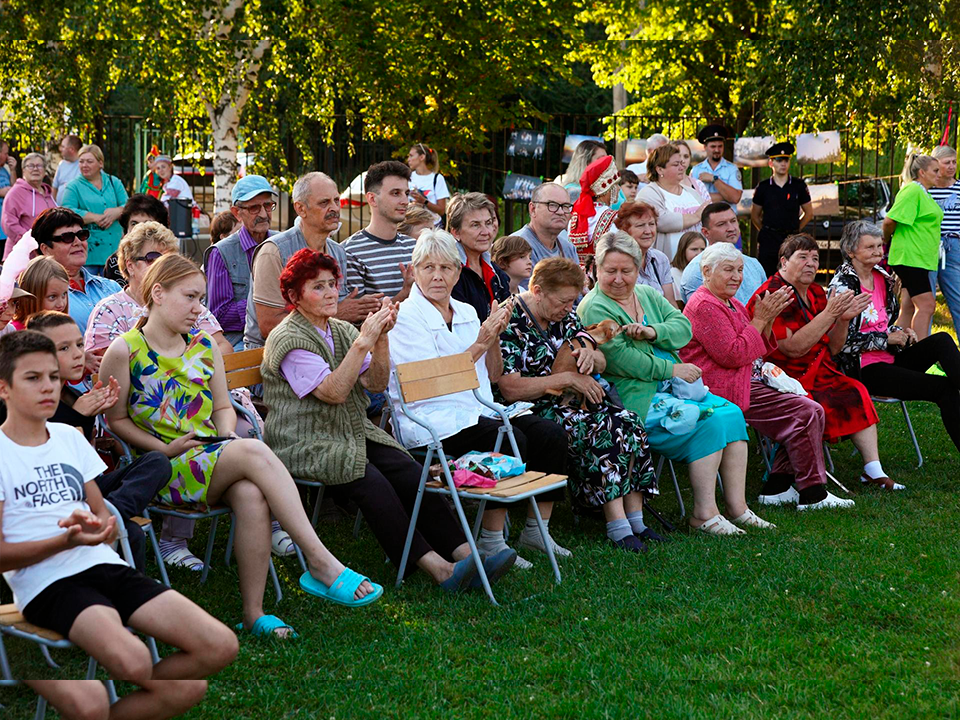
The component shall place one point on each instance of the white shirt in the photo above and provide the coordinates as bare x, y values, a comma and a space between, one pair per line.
67, 170
425, 184
422, 334
39, 486
176, 182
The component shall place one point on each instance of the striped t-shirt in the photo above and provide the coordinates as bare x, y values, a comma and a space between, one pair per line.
948, 198
373, 264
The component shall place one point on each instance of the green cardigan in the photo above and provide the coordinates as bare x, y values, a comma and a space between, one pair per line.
313, 439
631, 364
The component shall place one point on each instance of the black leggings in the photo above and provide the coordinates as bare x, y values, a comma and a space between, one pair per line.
906, 378
385, 496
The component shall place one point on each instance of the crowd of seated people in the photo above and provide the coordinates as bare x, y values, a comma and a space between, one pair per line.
675, 355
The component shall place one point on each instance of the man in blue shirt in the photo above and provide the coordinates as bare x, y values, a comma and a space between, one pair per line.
720, 225
722, 177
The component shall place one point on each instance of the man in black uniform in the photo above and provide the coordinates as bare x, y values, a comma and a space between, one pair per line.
777, 204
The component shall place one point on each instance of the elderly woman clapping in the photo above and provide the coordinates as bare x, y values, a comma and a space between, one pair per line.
653, 382
726, 343
888, 359
431, 324
315, 371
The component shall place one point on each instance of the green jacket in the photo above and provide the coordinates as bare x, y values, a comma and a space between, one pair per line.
313, 439
631, 364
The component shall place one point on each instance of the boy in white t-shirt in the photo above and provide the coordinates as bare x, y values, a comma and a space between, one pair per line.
54, 550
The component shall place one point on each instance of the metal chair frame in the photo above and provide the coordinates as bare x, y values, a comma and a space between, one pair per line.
906, 416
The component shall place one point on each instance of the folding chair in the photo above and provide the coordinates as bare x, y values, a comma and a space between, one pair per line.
13, 623
429, 379
906, 416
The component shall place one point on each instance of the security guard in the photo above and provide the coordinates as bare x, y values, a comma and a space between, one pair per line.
722, 177
777, 206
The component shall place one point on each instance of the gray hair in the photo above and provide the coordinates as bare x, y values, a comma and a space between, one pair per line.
853, 232
717, 253
436, 243
301, 188
943, 151
31, 156
543, 187
657, 139
617, 241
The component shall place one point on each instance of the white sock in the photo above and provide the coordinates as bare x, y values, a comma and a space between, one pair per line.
491, 541
874, 470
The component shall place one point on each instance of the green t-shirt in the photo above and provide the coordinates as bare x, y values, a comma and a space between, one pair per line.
916, 240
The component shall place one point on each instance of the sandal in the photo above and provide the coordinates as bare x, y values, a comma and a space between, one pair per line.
281, 544
719, 525
882, 482
182, 558
751, 519
267, 625
342, 590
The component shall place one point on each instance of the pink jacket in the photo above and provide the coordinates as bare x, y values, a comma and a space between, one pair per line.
724, 345
21, 207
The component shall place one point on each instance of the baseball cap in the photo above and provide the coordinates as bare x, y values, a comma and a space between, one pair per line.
249, 187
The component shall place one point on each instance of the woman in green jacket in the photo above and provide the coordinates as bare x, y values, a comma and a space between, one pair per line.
707, 431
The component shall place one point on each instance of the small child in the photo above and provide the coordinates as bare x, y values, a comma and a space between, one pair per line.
629, 184
55, 532
512, 255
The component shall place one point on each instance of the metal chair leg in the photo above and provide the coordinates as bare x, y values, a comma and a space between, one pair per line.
111, 691
41, 712
233, 529
45, 652
478, 523
209, 553
357, 523
545, 536
826, 452
913, 435
152, 646
676, 489
276, 581
91, 669
408, 543
315, 516
161, 565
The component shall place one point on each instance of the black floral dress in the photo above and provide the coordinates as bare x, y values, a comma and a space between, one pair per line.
603, 440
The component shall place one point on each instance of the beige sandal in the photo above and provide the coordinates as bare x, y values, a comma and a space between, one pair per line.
751, 519
719, 525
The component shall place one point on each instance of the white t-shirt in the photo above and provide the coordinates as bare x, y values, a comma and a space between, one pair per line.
176, 182
67, 170
39, 486
425, 184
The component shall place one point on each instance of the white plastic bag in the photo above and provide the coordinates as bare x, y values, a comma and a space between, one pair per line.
776, 378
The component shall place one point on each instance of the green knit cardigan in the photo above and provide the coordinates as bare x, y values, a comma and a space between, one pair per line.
316, 440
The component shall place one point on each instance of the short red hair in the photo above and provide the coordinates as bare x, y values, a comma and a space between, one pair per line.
630, 210
304, 266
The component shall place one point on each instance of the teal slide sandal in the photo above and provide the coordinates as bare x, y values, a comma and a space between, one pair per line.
266, 624
342, 590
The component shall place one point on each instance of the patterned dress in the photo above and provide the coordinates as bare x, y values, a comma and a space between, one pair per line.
169, 397
601, 440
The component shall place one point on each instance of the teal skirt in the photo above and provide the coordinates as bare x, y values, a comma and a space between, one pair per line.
721, 423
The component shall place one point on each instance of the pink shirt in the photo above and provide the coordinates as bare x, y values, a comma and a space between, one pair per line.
304, 370
874, 319
117, 313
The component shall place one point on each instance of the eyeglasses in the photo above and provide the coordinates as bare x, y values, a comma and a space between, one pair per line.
70, 237
259, 207
33, 166
555, 207
150, 257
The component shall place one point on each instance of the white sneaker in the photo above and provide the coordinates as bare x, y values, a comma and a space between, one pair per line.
830, 502
532, 541
751, 519
788, 497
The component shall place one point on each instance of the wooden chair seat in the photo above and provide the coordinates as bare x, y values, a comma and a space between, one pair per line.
142, 521
510, 487
11, 617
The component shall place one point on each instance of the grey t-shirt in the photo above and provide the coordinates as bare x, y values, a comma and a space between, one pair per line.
539, 251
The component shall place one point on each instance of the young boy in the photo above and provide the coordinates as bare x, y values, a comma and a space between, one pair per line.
512, 255
131, 488
54, 550
629, 184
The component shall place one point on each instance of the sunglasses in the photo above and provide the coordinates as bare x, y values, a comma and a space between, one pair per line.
150, 257
70, 237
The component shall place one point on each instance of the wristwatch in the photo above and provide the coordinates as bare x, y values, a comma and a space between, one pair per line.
715, 177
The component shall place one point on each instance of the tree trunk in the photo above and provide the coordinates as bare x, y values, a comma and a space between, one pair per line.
224, 122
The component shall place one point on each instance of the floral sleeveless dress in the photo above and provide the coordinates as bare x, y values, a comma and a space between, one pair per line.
169, 397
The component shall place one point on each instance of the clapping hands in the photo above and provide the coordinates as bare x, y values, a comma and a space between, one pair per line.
101, 397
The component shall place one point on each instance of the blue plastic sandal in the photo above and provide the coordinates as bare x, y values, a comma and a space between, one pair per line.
266, 624
463, 574
342, 590
495, 566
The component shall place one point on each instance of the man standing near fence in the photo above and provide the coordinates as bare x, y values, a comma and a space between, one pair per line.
777, 205
722, 177
69, 167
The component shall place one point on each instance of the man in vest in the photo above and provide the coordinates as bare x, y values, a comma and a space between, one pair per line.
316, 201
228, 263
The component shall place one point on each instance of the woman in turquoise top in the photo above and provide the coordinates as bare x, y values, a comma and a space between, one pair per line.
710, 434
98, 198
912, 231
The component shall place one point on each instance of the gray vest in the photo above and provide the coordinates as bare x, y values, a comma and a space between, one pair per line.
288, 243
235, 260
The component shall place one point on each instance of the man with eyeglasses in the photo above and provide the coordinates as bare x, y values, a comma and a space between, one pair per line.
546, 232
228, 262
61, 234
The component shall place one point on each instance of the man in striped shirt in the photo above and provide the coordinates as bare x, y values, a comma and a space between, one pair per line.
378, 257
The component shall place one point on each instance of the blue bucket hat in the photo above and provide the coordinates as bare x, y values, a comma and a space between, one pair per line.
249, 187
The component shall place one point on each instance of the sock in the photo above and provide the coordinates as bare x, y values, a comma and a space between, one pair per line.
619, 529
874, 470
169, 546
777, 483
275, 527
636, 522
491, 541
812, 494
530, 529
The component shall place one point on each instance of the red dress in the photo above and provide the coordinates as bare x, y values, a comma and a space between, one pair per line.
846, 401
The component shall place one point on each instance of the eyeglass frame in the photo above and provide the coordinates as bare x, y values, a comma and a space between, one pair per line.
260, 207
566, 207
149, 260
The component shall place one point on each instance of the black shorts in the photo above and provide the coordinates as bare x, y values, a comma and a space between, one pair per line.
915, 281
117, 586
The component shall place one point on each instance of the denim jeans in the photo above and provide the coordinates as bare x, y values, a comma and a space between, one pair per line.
949, 275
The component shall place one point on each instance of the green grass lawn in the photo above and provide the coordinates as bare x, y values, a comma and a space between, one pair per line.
851, 614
